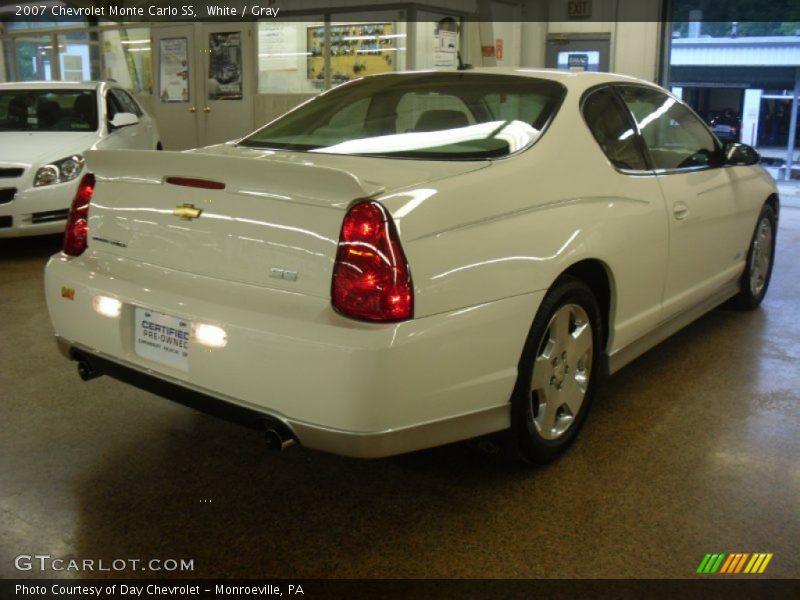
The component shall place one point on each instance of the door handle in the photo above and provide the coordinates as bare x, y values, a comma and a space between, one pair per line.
193, 109
207, 109
680, 210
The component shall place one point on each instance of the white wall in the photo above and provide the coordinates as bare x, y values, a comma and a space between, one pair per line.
2, 61
635, 49
750, 114
508, 28
533, 35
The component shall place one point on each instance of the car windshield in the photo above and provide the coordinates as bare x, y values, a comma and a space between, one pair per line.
452, 116
48, 110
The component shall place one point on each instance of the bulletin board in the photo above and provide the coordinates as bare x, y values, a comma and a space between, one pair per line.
356, 50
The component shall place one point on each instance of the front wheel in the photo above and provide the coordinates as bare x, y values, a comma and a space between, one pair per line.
557, 372
760, 256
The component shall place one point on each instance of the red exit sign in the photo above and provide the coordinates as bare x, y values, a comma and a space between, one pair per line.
579, 9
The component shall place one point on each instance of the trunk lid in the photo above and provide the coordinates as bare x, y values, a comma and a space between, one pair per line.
276, 222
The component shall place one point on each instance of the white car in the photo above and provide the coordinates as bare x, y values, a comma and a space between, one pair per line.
45, 130
412, 259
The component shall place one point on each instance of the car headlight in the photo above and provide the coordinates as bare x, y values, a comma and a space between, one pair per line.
59, 171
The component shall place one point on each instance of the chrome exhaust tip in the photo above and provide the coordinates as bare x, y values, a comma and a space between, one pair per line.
276, 441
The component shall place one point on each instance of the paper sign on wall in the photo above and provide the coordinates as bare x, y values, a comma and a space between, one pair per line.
173, 59
445, 49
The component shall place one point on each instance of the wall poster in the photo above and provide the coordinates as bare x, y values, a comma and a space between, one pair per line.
445, 49
173, 69
225, 65
277, 44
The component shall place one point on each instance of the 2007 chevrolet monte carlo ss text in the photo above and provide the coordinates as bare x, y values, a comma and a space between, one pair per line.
412, 259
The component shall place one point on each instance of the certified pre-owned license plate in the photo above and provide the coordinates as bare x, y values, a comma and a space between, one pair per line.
162, 338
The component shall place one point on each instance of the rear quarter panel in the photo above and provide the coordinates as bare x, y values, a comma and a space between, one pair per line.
515, 227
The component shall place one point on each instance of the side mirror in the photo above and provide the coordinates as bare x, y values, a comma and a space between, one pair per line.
741, 155
123, 119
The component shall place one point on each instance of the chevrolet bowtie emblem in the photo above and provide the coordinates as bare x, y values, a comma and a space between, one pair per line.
187, 212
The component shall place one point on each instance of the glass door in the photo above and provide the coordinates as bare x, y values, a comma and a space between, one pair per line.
228, 81
177, 103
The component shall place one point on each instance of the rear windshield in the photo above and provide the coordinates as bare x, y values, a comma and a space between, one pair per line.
48, 110
453, 116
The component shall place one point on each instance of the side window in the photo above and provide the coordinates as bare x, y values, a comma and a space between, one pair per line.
126, 102
675, 138
112, 106
613, 130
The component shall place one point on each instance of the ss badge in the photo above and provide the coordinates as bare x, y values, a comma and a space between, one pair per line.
283, 274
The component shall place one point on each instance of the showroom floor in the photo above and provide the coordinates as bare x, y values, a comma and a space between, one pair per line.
693, 448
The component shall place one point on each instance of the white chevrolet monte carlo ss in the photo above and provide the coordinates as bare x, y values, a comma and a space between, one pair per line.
45, 130
412, 259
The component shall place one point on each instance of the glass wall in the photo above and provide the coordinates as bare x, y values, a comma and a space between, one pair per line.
310, 56
122, 54
128, 58
78, 56
367, 44
293, 57
735, 75
34, 57
285, 61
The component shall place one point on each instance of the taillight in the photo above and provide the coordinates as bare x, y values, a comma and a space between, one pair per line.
78, 221
371, 279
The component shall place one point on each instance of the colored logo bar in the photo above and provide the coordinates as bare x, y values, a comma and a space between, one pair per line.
735, 562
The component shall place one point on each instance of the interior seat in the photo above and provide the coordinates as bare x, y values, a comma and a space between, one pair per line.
48, 113
85, 109
436, 120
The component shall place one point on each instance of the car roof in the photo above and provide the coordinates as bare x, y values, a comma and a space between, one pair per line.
559, 74
51, 85
571, 79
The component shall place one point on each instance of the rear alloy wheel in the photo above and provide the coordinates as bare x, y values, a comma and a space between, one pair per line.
757, 273
557, 371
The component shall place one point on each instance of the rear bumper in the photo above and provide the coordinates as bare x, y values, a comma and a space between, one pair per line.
346, 387
357, 444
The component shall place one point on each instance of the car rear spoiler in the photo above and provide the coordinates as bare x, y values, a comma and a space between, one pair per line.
270, 176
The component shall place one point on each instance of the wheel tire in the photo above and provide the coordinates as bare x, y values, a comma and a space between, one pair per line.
760, 257
159, 146
557, 372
